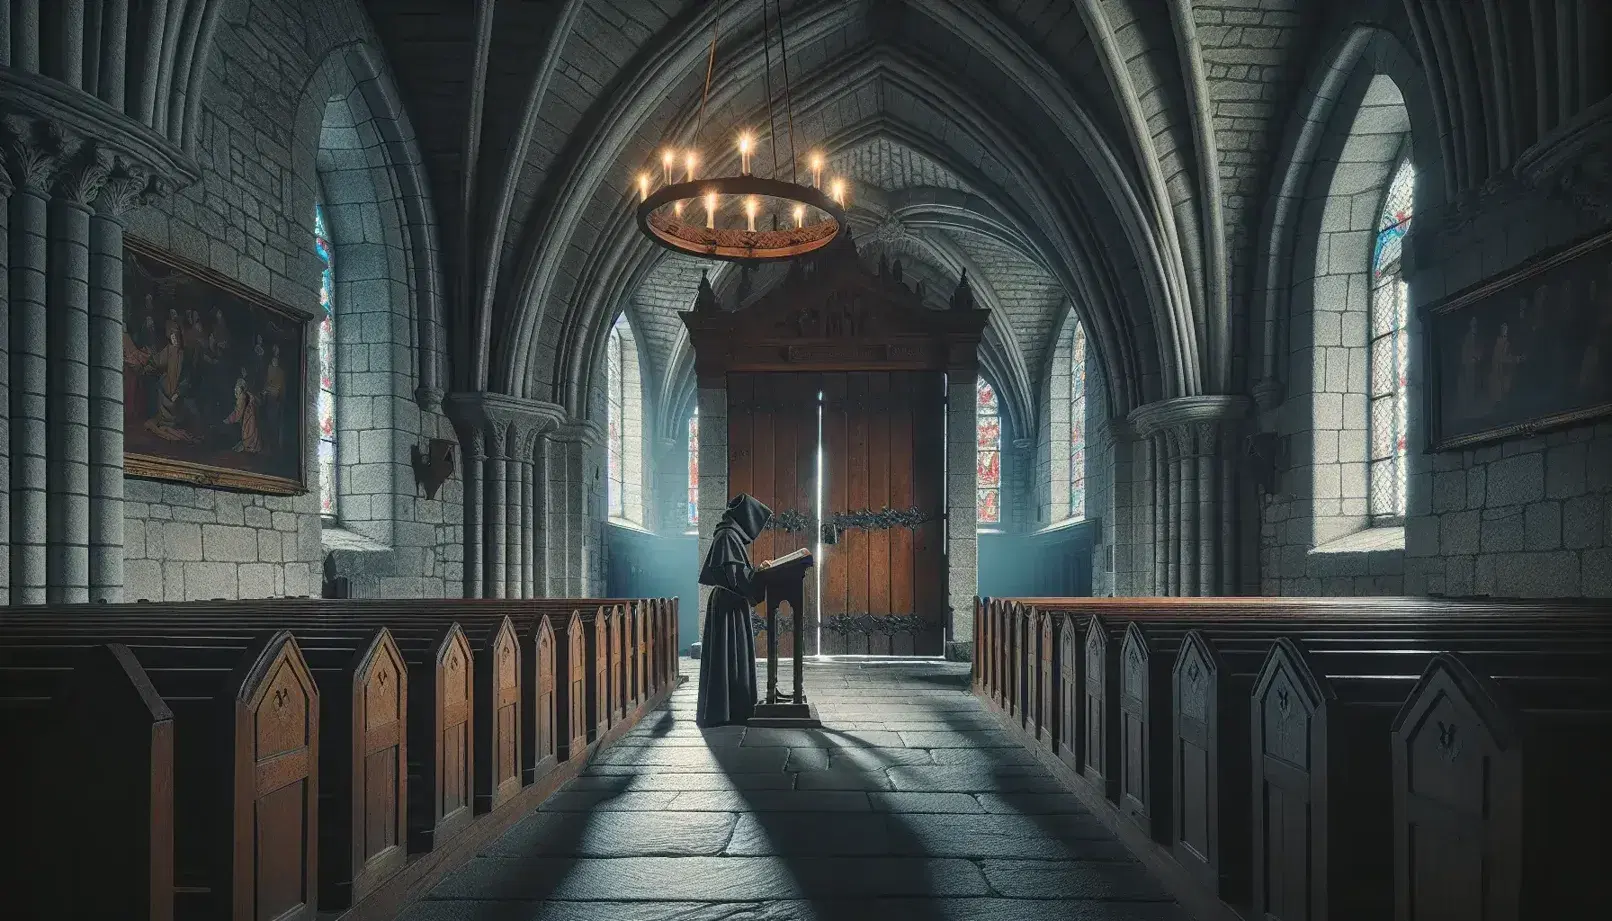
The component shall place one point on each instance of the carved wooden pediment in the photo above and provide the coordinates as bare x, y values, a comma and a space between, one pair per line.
832, 313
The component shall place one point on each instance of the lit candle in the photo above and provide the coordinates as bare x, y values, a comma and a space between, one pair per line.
677, 209
838, 191
744, 153
817, 171
643, 186
666, 159
710, 210
800, 216
689, 160
750, 212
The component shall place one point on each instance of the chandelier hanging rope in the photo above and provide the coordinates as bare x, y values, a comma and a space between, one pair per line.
804, 218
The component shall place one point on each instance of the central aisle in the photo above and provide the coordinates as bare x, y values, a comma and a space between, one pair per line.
910, 803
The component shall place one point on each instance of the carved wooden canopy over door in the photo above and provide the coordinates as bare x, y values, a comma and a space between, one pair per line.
772, 455
884, 577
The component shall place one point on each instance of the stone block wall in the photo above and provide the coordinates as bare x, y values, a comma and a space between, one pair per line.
289, 98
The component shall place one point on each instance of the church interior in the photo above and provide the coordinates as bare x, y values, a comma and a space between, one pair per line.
791, 460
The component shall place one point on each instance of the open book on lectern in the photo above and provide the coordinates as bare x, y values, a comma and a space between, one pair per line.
801, 554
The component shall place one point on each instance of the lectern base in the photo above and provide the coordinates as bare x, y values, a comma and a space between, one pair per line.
785, 716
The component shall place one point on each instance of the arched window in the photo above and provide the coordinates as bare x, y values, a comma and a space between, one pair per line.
988, 498
694, 469
1077, 419
328, 496
625, 414
1389, 351
616, 388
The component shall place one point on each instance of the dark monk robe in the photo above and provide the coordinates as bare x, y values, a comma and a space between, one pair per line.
728, 655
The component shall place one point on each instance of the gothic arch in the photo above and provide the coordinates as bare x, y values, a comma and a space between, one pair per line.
355, 151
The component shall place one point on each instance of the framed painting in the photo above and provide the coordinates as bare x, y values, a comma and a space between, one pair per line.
213, 377
1523, 353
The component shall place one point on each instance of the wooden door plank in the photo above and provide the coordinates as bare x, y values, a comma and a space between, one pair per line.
855, 540
902, 457
806, 493
784, 394
879, 412
836, 463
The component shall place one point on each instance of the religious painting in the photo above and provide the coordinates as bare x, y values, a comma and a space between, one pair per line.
212, 378
1523, 353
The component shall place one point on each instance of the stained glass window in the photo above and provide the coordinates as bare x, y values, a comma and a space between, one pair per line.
614, 383
1389, 352
694, 469
1077, 419
327, 365
989, 472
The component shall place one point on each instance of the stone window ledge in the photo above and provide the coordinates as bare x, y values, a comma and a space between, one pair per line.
1371, 540
334, 537
629, 525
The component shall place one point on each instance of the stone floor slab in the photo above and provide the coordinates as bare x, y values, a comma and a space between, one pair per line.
909, 803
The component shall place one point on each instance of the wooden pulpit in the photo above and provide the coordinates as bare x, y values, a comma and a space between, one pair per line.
785, 582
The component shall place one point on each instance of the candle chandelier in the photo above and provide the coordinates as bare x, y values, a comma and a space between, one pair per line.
743, 217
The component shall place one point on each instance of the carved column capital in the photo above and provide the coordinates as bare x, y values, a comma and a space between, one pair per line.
508, 426
128, 186
34, 150
81, 178
1192, 425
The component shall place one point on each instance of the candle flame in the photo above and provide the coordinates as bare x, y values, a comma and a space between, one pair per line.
710, 210
690, 159
667, 157
838, 191
817, 161
800, 215
744, 142
643, 185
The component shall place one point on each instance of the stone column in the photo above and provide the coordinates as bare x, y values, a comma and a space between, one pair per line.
962, 543
475, 457
513, 535
495, 434
712, 399
1196, 508
125, 188
575, 439
528, 520
67, 528
6, 189
33, 159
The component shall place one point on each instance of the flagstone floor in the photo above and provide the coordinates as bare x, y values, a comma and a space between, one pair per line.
910, 803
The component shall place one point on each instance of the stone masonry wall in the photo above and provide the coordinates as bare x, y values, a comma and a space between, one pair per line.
267, 105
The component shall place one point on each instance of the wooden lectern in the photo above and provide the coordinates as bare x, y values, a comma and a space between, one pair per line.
785, 582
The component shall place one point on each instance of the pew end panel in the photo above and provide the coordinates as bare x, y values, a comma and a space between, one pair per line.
1101, 766
1144, 735
365, 774
442, 765
1071, 744
497, 698
542, 752
1047, 683
276, 785
108, 765
1209, 758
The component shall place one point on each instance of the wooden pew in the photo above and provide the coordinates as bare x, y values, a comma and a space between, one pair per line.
98, 754
1500, 792
363, 764
1136, 709
245, 785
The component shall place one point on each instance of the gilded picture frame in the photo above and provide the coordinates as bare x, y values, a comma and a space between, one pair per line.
214, 378
1525, 353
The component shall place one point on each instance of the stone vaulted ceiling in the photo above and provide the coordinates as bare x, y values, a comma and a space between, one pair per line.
1099, 155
